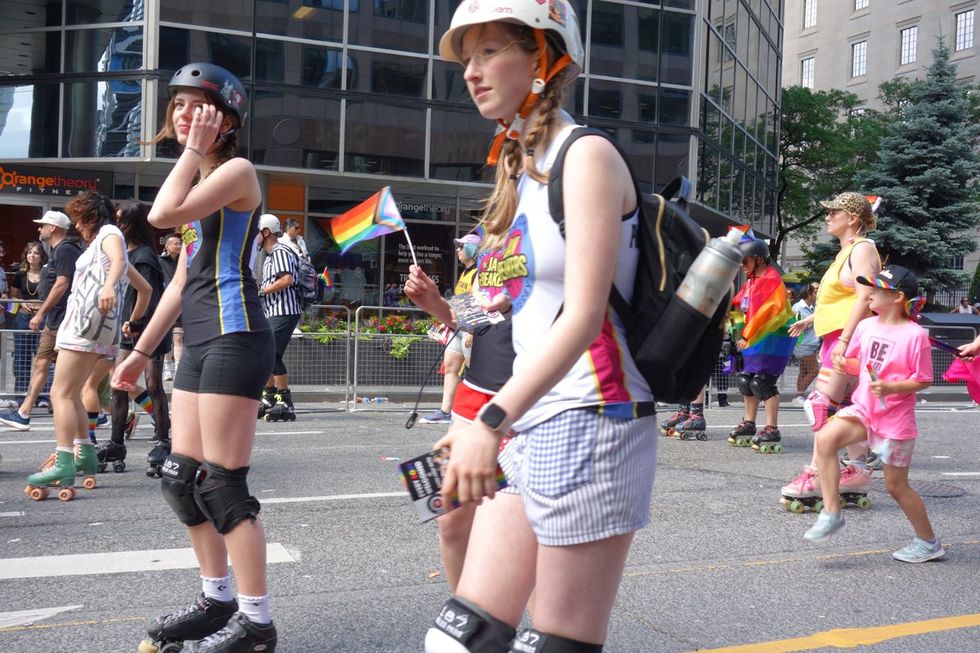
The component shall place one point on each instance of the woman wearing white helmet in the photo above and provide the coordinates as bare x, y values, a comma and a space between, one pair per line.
213, 197
584, 459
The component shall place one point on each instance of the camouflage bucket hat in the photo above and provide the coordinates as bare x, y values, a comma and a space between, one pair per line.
854, 203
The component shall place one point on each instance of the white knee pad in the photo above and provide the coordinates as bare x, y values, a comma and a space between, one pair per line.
437, 641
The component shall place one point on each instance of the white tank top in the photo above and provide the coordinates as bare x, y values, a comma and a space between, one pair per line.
532, 271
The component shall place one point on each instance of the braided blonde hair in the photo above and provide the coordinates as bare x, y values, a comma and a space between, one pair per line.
500, 206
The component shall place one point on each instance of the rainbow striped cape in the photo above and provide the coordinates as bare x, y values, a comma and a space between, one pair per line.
765, 324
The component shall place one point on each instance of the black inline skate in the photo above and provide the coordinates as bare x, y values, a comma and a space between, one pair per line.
267, 401
204, 618
768, 440
282, 411
111, 453
741, 435
156, 458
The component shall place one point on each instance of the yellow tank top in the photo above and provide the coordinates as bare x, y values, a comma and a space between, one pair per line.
835, 300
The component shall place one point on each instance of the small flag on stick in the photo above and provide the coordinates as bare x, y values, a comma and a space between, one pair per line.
325, 277
376, 216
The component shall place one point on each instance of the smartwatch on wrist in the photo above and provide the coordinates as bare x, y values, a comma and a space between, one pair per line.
492, 416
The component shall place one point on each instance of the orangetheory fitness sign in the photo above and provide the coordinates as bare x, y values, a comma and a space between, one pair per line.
39, 181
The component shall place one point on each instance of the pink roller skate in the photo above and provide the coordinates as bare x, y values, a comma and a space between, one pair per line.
803, 492
854, 485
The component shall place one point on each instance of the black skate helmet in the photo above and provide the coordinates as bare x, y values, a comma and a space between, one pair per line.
217, 82
754, 248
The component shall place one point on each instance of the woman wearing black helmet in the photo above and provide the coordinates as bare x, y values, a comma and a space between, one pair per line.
213, 197
765, 345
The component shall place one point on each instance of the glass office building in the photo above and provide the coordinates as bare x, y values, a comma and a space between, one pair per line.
347, 96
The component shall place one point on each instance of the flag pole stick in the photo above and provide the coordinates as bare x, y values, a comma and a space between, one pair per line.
411, 248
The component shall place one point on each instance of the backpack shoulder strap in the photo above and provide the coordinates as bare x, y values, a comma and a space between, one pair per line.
556, 186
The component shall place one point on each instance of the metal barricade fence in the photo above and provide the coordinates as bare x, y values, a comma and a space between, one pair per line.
392, 355
318, 358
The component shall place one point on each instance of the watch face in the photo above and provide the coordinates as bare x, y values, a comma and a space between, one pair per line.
493, 416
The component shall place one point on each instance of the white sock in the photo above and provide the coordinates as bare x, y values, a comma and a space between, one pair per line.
27, 416
217, 588
66, 449
78, 441
256, 608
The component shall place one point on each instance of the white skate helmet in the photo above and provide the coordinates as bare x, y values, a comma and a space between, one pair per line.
270, 222
554, 16
553, 21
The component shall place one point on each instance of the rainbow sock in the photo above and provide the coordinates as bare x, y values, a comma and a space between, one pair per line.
93, 422
144, 401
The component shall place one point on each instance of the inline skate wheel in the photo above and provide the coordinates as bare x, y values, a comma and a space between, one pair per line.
147, 646
863, 503
796, 506
702, 436
119, 467
101, 467
66, 494
89, 482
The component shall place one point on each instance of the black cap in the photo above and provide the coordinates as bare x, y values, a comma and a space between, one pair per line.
894, 277
217, 82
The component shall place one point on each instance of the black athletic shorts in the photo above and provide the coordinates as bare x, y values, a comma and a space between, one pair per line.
234, 364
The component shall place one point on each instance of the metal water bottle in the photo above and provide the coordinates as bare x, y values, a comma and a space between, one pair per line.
710, 277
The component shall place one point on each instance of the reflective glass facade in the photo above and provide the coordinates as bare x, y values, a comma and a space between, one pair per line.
348, 96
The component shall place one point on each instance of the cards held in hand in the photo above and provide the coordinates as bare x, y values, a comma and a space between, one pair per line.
470, 315
422, 477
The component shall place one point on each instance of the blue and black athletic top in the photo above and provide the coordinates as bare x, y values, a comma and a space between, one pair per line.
220, 296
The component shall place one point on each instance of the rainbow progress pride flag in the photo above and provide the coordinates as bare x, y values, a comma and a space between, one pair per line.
376, 216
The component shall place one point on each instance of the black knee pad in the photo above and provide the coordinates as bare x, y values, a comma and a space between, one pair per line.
534, 641
179, 474
222, 495
473, 627
764, 385
743, 382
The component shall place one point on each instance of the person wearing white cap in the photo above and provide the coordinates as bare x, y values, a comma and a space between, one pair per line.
56, 284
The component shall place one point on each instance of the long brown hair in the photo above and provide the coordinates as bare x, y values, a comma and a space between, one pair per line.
228, 147
24, 265
500, 206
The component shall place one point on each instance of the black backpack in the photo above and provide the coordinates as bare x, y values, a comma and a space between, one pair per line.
674, 347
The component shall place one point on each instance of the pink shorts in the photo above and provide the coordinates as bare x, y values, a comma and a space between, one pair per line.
897, 453
827, 348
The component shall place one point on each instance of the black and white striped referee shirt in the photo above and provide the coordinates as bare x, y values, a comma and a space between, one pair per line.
281, 261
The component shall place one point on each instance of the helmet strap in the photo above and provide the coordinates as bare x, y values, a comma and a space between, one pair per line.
512, 131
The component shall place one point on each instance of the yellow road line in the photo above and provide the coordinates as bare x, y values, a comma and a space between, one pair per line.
91, 622
853, 637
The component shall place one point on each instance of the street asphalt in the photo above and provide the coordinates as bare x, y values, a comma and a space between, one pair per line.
721, 567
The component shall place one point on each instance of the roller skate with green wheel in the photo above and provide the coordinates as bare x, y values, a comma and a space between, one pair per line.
767, 441
693, 428
854, 485
803, 492
682, 414
112, 453
62, 474
741, 435
205, 617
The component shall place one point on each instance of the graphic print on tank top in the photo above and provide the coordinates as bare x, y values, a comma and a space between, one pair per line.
507, 269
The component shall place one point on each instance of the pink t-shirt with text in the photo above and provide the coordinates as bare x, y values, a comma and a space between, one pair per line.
896, 352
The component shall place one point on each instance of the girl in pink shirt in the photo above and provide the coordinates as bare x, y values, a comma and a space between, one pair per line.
891, 355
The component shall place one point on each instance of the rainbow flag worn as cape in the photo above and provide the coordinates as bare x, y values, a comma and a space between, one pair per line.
765, 324
376, 216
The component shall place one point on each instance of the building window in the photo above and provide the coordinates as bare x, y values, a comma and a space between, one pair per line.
964, 30
809, 13
806, 72
861, 4
909, 35
859, 58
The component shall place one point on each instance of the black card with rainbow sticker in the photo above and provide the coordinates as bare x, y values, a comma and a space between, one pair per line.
422, 477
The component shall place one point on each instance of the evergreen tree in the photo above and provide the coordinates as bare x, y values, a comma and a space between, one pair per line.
926, 174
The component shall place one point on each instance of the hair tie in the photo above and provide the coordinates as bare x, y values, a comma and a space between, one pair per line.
530, 151
515, 177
